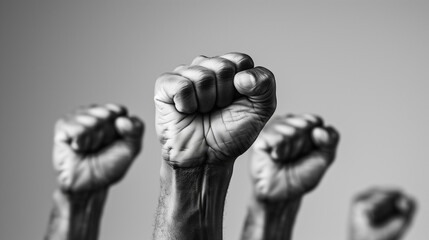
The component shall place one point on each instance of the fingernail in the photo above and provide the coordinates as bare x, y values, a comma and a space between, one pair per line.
74, 145
245, 80
320, 135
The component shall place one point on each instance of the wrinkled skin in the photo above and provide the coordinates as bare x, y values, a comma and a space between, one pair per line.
211, 111
207, 114
94, 147
381, 214
291, 155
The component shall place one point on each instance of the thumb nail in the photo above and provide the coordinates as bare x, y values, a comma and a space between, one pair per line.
245, 81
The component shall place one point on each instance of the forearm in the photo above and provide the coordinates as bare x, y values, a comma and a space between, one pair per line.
191, 202
76, 217
270, 220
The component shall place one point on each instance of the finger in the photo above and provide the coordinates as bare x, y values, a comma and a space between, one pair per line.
383, 207
393, 229
284, 148
367, 194
258, 85
178, 68
297, 122
314, 120
99, 112
224, 71
301, 143
82, 109
204, 81
104, 132
70, 132
331, 141
311, 167
118, 157
242, 61
108, 133
99, 139
407, 207
177, 90
197, 60
117, 109
85, 141
62, 154
60, 133
326, 140
131, 130
273, 142
320, 136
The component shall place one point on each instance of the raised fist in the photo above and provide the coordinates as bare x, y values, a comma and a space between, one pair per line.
94, 146
211, 111
291, 155
381, 214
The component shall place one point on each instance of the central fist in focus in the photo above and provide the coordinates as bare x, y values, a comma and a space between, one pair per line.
212, 110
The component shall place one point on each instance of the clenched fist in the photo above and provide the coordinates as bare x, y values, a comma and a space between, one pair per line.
212, 110
381, 214
291, 156
207, 114
94, 146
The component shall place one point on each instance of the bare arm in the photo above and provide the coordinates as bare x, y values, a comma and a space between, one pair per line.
207, 114
76, 217
270, 219
93, 148
191, 203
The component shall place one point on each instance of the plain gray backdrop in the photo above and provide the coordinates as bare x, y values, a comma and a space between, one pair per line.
362, 65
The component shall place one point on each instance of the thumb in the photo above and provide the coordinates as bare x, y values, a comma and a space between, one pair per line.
130, 129
118, 157
258, 85
326, 140
313, 166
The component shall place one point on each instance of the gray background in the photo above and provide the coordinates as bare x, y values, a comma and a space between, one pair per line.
363, 65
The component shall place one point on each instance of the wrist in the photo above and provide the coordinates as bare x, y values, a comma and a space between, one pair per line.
76, 215
270, 220
192, 201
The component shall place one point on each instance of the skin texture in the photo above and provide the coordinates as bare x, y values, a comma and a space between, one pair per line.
288, 160
381, 214
207, 114
93, 148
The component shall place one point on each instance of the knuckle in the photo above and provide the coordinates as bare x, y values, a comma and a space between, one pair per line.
242, 61
198, 59
99, 112
197, 73
164, 80
202, 77
184, 88
223, 68
313, 118
180, 67
86, 120
118, 109
297, 122
238, 57
78, 129
264, 73
137, 123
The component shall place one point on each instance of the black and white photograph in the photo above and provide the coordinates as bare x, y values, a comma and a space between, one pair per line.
211, 120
